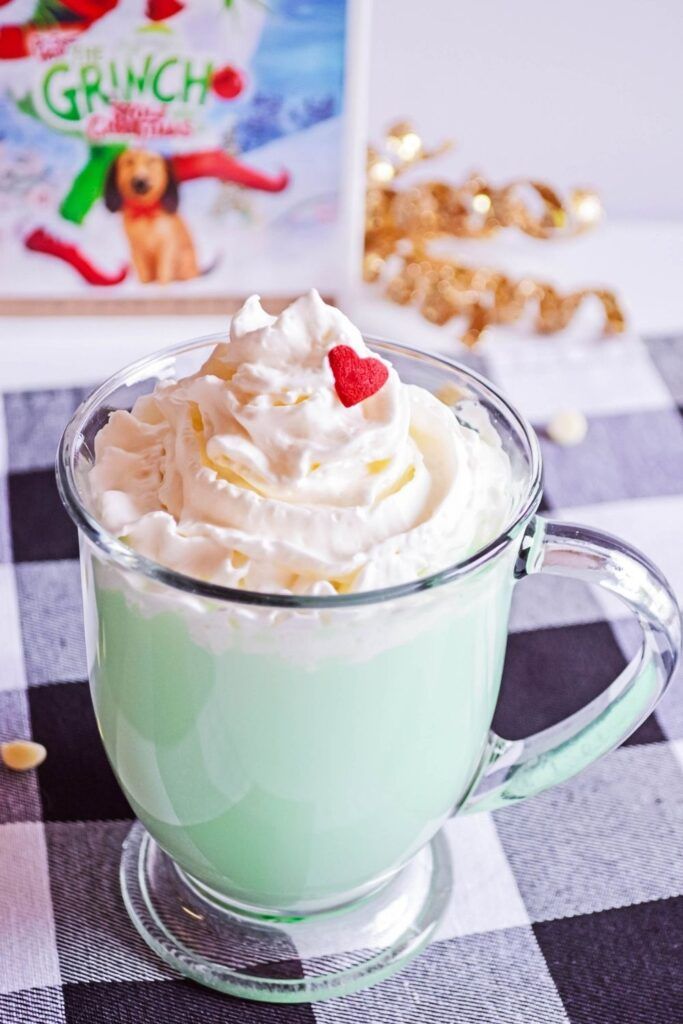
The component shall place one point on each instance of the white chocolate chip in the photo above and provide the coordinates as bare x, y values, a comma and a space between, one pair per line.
567, 427
22, 755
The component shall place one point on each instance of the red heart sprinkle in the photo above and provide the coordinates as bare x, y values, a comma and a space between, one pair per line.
355, 379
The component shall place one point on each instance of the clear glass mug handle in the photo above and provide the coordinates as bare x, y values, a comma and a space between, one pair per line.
516, 769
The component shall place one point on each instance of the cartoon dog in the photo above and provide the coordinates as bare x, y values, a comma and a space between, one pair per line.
143, 186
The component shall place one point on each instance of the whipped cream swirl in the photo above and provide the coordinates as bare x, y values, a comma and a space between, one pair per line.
253, 474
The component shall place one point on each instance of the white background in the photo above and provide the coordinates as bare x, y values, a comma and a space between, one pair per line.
587, 92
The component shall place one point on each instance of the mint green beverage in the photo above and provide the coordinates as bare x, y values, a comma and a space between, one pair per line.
289, 783
292, 753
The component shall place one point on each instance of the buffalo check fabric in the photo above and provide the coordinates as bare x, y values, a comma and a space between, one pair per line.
568, 908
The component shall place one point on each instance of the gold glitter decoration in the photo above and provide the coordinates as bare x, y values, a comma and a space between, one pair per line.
400, 224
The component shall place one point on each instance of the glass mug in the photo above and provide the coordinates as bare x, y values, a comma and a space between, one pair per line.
291, 760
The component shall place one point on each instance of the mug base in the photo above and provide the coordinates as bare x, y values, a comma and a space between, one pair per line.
282, 960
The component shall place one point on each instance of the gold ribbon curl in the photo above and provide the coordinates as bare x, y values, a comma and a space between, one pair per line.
400, 224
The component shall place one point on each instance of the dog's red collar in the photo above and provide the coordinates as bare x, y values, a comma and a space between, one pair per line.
136, 210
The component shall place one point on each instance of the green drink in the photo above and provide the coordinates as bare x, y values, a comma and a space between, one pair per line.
292, 759
295, 650
290, 785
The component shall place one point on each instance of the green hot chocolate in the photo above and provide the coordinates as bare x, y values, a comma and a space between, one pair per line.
288, 785
289, 758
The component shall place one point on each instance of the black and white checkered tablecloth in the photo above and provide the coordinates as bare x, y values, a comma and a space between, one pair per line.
566, 908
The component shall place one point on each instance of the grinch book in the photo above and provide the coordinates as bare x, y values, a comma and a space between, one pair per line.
182, 151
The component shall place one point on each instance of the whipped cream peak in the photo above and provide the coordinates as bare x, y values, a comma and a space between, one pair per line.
301, 336
253, 473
